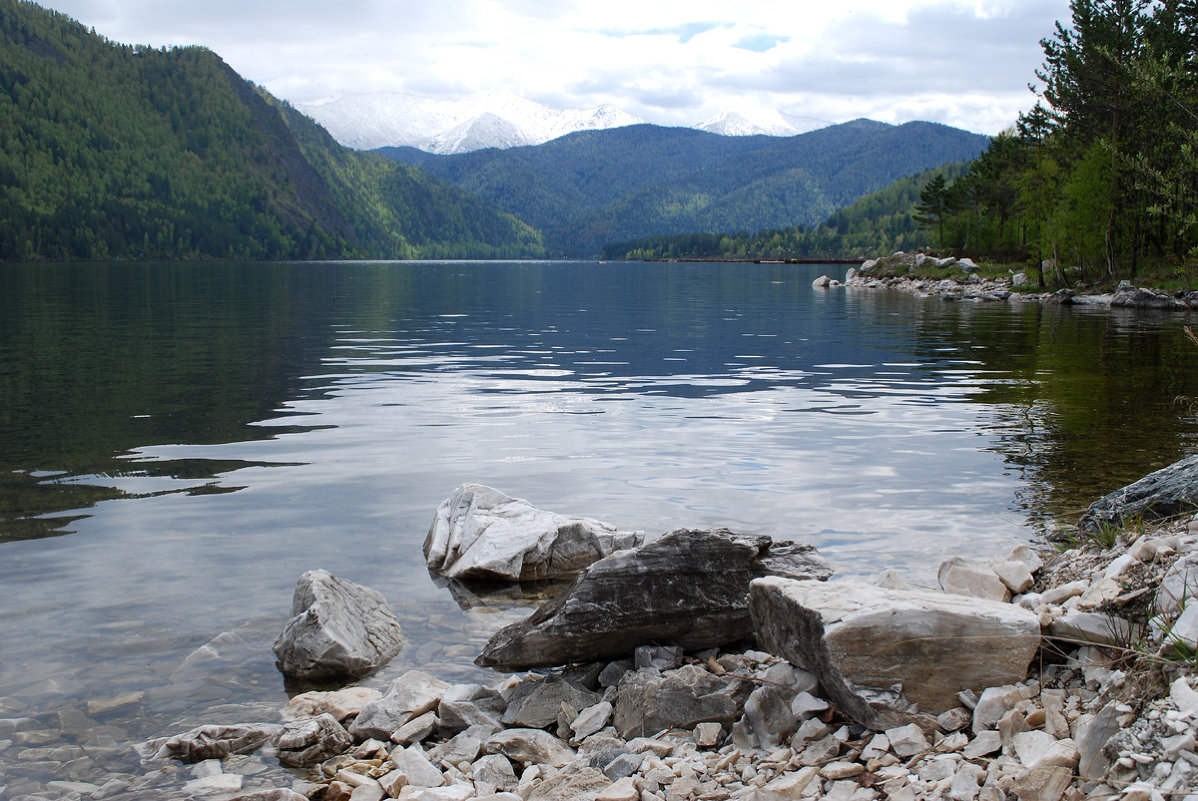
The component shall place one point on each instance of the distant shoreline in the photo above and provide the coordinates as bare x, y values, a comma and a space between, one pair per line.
758, 261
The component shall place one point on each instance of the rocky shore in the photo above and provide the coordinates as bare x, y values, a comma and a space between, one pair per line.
1104, 704
966, 285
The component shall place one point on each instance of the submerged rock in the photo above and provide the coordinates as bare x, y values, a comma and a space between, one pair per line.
690, 589
338, 629
480, 533
886, 656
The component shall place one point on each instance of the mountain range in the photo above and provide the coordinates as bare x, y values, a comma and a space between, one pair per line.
590, 188
502, 120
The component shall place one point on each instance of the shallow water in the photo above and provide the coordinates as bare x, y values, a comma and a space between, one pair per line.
178, 442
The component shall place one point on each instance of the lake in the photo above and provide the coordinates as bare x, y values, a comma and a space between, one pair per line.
179, 442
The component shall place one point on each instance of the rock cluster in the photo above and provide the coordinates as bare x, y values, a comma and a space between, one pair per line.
1039, 679
970, 287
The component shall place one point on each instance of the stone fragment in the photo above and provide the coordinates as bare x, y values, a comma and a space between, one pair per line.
416, 729
1179, 585
1038, 749
861, 641
689, 588
966, 783
907, 740
274, 794
495, 769
312, 740
768, 715
984, 743
582, 784
535, 704
462, 747
412, 694
623, 790
1080, 628
337, 629
954, 719
661, 657
1185, 697
1166, 493
648, 702
341, 704
1025, 554
478, 532
1063, 592
453, 792
1014, 574
1182, 637
707, 735
1091, 737
591, 720
1042, 784
415, 765
214, 742
530, 747
99, 707
971, 577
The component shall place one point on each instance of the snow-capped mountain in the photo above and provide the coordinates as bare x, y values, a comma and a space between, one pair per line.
367, 121
503, 120
769, 122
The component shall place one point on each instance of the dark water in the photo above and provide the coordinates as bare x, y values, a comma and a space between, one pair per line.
179, 442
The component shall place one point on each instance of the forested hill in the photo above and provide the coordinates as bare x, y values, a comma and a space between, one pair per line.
118, 151
594, 187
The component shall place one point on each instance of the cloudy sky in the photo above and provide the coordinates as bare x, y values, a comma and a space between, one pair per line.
966, 63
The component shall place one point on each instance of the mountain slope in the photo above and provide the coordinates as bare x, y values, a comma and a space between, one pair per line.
590, 188
112, 151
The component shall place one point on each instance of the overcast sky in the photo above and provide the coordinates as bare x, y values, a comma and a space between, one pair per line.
966, 63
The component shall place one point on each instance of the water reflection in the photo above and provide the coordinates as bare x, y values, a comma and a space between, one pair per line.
209, 432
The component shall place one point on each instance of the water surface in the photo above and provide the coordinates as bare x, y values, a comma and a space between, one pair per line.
179, 442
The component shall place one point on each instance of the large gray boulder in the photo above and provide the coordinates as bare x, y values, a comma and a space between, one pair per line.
480, 533
338, 630
689, 588
889, 657
1169, 492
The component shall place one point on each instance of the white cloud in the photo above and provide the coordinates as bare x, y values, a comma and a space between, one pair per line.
962, 62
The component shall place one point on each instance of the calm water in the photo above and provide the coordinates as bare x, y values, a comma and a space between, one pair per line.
179, 442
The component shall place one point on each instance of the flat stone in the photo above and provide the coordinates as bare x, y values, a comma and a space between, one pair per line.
337, 629
215, 742
861, 641
103, 706
478, 532
495, 769
689, 588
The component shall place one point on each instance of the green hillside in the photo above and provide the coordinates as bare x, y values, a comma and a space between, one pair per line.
591, 188
119, 151
880, 222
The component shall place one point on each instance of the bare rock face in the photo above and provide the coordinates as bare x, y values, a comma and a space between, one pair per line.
480, 533
890, 657
338, 629
689, 588
1168, 492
